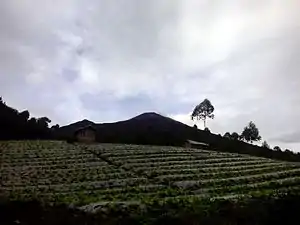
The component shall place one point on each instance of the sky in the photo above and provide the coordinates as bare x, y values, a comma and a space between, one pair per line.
111, 60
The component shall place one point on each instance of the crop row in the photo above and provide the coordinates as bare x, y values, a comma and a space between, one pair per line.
184, 165
213, 196
60, 178
145, 152
211, 169
128, 153
25, 160
86, 197
80, 186
138, 195
157, 151
195, 184
181, 160
100, 165
221, 174
52, 162
258, 186
190, 164
142, 156
45, 154
35, 149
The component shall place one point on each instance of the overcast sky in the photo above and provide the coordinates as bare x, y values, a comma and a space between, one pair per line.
109, 60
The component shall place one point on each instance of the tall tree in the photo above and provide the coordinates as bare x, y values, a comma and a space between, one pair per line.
251, 133
203, 111
265, 145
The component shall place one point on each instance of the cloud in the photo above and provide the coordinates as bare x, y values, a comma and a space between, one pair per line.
288, 137
110, 60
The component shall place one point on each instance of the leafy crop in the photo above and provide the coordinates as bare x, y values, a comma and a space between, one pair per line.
54, 171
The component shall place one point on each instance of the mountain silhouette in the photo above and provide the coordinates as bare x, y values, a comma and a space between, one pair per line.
151, 128
147, 128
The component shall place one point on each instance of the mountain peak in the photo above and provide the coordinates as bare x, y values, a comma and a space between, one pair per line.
147, 115
85, 122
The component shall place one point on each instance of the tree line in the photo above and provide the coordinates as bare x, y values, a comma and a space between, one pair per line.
250, 134
16, 125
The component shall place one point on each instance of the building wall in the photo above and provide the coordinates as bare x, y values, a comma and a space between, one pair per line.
87, 136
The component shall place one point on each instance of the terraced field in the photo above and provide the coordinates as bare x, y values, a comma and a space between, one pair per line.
83, 174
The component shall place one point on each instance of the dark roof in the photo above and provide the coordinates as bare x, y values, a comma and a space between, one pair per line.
86, 128
196, 142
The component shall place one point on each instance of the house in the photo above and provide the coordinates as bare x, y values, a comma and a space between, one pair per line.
196, 144
86, 134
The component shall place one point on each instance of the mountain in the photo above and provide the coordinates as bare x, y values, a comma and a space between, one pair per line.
153, 129
67, 131
147, 128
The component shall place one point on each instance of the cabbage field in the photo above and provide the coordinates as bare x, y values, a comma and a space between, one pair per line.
85, 175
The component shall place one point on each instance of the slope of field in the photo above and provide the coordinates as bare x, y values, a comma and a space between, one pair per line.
83, 174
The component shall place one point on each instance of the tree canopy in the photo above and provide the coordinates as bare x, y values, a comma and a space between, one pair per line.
203, 111
19, 125
251, 133
227, 135
234, 136
265, 145
277, 148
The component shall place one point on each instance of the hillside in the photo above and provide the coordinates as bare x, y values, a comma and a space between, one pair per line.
81, 175
52, 182
154, 129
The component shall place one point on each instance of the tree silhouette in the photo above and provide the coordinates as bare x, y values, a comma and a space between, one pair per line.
265, 145
43, 121
235, 136
24, 115
227, 135
206, 129
251, 133
277, 149
55, 127
17, 125
203, 111
288, 151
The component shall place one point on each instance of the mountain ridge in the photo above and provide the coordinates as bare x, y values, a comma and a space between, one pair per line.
151, 128
145, 128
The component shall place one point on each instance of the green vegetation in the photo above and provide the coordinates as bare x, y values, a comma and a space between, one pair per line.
251, 133
58, 172
203, 111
